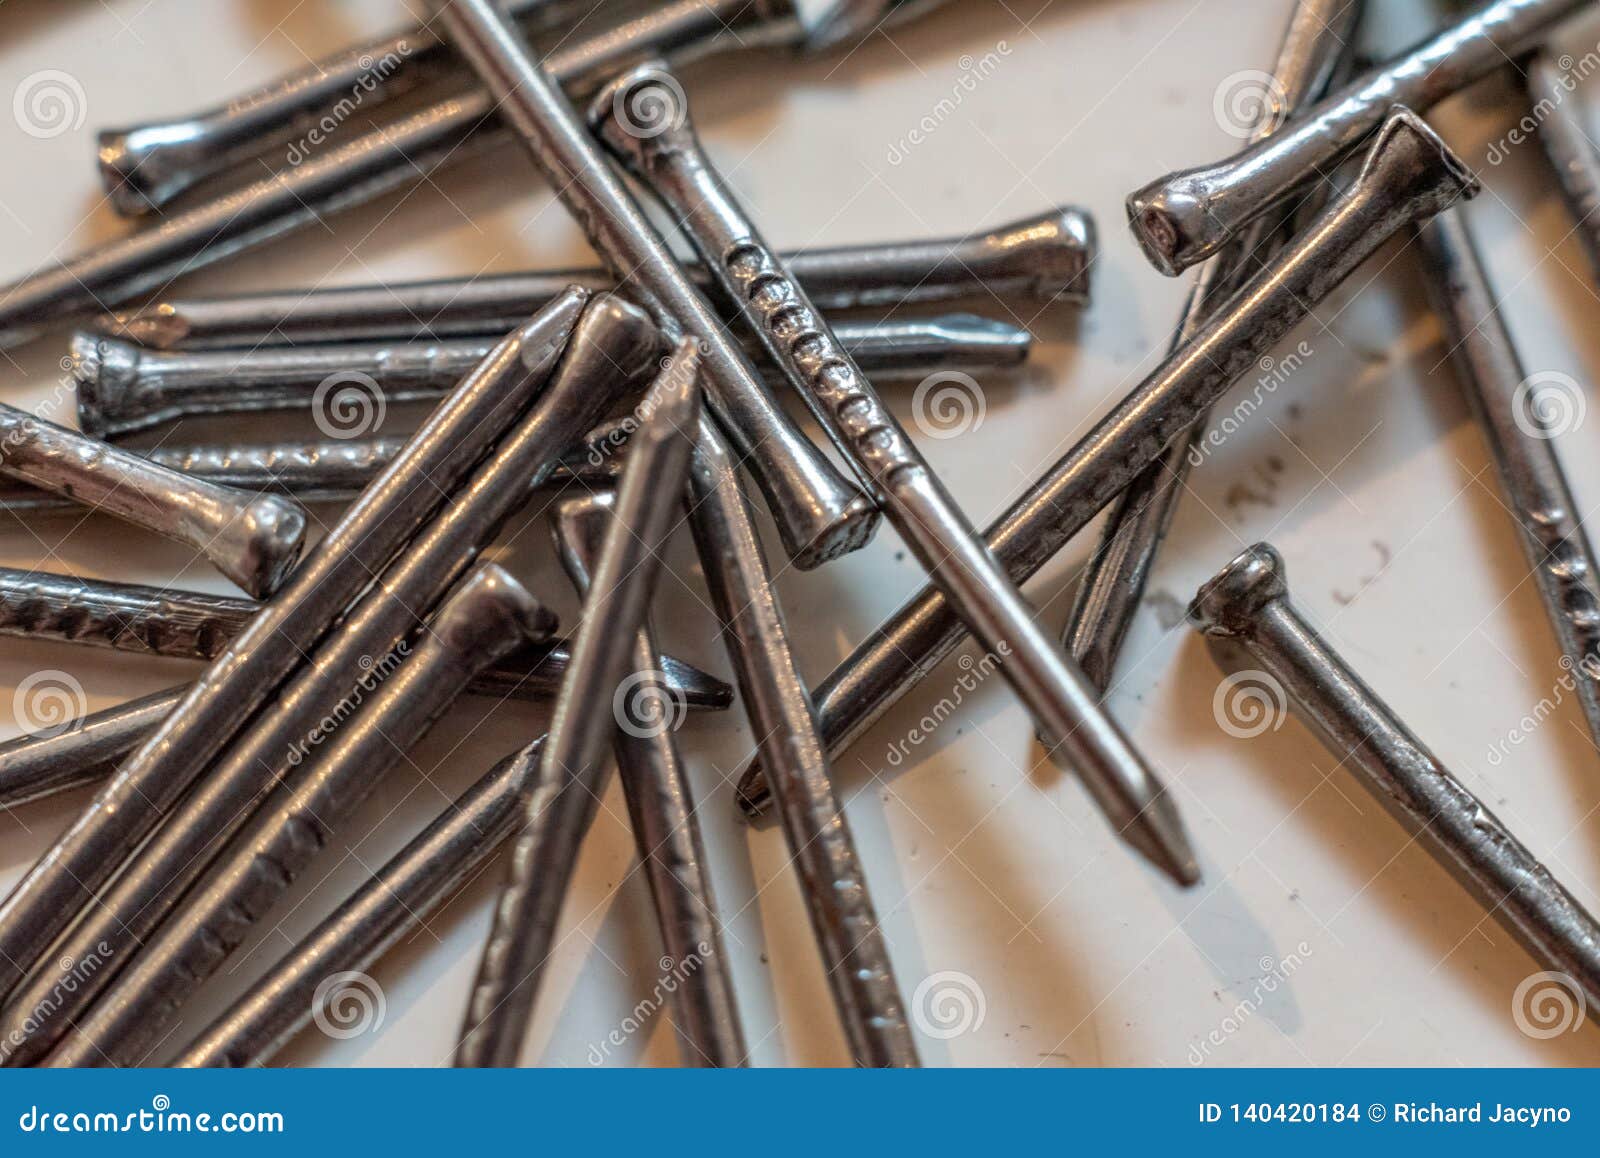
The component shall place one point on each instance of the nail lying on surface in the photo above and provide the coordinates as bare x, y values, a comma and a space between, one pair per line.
145, 167
672, 164
1515, 423
819, 513
1038, 260
705, 1015
1187, 216
573, 763
612, 348
855, 957
396, 155
331, 470
1112, 587
48, 763
179, 624
1409, 175
1565, 138
122, 387
483, 619
55, 760
276, 640
395, 900
254, 540
1249, 623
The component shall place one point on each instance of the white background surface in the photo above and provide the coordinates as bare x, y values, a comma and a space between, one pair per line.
1364, 469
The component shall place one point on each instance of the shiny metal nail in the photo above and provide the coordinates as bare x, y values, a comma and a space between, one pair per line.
820, 514
394, 156
1113, 582
323, 471
612, 348
573, 763
277, 639
705, 1015
252, 539
181, 624
1513, 418
1035, 261
49, 762
395, 900
1187, 216
843, 920
671, 163
483, 619
122, 387
1566, 142
1249, 623
1409, 174
145, 167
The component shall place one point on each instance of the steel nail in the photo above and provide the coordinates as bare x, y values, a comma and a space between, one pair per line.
854, 955
1187, 216
1249, 623
672, 164
613, 347
322, 471
181, 624
662, 811
482, 620
1112, 586
1572, 154
819, 513
1517, 429
1035, 261
252, 539
1409, 174
49, 762
145, 167
393, 156
276, 640
122, 387
573, 763
376, 916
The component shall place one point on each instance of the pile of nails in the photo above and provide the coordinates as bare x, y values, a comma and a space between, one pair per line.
633, 398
